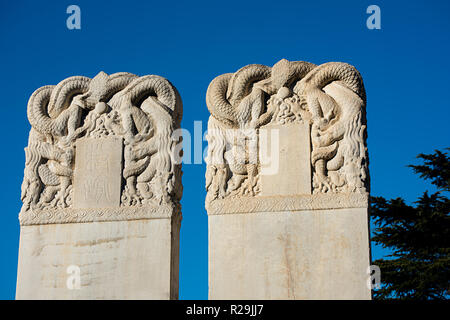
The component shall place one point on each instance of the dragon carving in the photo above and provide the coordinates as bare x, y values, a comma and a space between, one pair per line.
142, 110
329, 97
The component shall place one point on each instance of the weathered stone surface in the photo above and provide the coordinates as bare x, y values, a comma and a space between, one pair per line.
299, 231
101, 190
117, 260
288, 203
289, 172
98, 173
321, 254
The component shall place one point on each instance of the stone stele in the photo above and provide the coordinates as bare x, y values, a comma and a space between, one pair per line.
101, 191
287, 183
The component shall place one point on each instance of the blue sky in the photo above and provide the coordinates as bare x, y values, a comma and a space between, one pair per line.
405, 67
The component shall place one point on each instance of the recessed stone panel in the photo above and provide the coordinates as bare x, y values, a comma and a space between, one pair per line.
285, 160
97, 176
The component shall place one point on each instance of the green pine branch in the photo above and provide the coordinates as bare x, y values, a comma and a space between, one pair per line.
418, 237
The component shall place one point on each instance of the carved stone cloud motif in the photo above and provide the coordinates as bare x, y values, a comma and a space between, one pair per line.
102, 149
319, 112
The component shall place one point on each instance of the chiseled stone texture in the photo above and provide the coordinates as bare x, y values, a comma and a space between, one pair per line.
101, 190
117, 260
289, 218
287, 175
321, 254
98, 173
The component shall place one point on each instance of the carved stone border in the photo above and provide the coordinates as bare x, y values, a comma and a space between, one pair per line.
70, 215
243, 205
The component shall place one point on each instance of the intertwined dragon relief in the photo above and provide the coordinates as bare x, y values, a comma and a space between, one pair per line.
142, 111
330, 98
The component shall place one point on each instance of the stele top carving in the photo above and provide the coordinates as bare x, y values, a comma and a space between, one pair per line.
330, 99
138, 114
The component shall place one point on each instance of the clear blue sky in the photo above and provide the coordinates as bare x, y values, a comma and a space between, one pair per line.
405, 66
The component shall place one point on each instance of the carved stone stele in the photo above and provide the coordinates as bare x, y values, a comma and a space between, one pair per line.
102, 180
287, 183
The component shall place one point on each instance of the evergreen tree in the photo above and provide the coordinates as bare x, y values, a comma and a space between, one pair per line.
418, 237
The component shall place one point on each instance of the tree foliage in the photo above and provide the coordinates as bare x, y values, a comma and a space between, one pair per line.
418, 237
